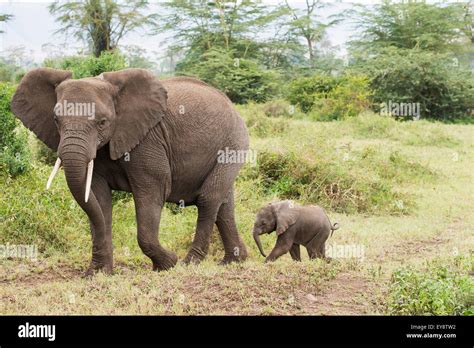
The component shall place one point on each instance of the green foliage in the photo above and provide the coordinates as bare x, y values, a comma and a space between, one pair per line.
330, 97
14, 153
229, 25
44, 154
410, 25
339, 187
86, 66
348, 98
241, 79
441, 287
51, 220
303, 91
444, 91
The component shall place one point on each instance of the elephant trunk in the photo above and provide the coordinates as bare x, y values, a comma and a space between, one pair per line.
77, 156
256, 237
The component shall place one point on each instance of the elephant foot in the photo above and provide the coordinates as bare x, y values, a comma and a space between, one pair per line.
239, 254
168, 261
195, 256
95, 267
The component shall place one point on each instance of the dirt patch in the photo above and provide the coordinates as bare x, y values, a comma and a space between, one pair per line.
406, 249
33, 274
347, 294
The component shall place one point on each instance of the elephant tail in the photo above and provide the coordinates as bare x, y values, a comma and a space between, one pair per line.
334, 227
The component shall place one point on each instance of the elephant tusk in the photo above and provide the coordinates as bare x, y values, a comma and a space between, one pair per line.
90, 168
53, 173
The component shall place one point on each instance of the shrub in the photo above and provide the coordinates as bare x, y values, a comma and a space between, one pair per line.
439, 288
339, 187
348, 98
49, 219
329, 98
241, 79
303, 91
86, 66
14, 153
444, 91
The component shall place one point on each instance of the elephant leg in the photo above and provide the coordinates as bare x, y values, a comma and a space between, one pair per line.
282, 246
102, 254
213, 193
295, 252
207, 214
317, 247
148, 211
234, 247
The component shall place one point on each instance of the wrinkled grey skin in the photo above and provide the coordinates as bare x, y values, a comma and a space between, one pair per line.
158, 140
295, 225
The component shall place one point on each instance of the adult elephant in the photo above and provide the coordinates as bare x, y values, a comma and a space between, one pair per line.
157, 139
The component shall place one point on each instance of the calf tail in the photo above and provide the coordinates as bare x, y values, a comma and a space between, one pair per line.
334, 227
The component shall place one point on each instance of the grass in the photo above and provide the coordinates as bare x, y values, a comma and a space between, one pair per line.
402, 190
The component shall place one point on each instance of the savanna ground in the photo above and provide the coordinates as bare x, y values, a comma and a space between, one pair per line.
402, 191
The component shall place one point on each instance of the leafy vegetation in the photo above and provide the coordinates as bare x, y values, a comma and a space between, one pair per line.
440, 287
241, 79
442, 89
87, 66
328, 98
14, 152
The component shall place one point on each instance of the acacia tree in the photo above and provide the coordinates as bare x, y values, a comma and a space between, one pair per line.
101, 23
199, 25
307, 23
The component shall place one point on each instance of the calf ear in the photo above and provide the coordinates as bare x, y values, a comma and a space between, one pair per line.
34, 100
139, 105
286, 214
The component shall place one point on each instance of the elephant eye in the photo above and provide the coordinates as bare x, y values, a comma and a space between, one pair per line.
102, 122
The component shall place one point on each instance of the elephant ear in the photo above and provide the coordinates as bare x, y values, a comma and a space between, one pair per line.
34, 100
286, 214
140, 104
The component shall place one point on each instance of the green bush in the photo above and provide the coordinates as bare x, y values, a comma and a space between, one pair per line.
338, 186
330, 98
51, 220
241, 79
443, 90
14, 153
303, 91
86, 66
439, 288
349, 98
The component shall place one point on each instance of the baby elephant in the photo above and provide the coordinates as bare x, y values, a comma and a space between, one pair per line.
295, 225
